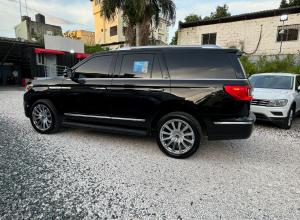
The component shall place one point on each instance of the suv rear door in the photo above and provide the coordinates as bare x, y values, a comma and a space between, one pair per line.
140, 86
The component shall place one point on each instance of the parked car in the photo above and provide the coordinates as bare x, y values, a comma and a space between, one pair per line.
276, 97
177, 93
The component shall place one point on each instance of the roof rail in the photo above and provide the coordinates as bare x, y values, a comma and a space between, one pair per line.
207, 46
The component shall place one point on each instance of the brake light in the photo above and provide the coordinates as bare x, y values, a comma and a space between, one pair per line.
239, 92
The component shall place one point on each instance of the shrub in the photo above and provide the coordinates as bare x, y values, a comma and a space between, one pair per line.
289, 64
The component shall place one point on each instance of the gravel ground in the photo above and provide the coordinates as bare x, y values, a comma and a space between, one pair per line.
83, 174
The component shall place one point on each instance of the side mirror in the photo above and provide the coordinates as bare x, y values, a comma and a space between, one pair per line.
68, 73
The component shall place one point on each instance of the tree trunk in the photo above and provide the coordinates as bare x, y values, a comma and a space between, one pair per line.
138, 34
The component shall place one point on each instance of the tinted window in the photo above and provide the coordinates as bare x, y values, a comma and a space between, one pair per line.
156, 72
199, 65
97, 67
297, 82
136, 66
272, 82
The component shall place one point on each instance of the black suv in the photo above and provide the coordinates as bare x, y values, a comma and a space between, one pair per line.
178, 93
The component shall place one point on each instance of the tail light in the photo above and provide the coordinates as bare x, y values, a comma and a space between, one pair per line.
239, 92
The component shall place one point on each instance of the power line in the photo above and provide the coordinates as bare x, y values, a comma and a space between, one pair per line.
26, 7
20, 10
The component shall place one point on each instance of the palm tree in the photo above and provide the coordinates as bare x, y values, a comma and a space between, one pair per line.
139, 15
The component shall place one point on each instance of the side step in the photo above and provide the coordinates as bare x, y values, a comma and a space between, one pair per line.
106, 128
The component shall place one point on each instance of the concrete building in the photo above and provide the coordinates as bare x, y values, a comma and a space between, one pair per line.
112, 32
247, 32
30, 30
88, 37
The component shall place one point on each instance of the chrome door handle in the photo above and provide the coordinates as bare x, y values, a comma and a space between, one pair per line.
156, 90
99, 88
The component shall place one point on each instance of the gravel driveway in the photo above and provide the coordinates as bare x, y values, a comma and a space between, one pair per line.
76, 174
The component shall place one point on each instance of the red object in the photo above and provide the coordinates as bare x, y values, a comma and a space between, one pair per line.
82, 55
25, 81
239, 92
39, 50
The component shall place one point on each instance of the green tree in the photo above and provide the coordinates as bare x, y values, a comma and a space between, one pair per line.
192, 17
174, 39
291, 3
284, 4
221, 12
139, 15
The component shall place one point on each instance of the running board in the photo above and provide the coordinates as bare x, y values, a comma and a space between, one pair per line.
106, 128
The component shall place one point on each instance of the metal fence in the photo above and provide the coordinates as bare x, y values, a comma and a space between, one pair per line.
54, 70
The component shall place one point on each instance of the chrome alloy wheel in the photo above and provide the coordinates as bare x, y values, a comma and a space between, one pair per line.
41, 117
290, 118
177, 136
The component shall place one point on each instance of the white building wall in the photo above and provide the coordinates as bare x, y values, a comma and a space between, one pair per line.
63, 44
245, 34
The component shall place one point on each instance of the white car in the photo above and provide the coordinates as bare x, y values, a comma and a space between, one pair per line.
276, 97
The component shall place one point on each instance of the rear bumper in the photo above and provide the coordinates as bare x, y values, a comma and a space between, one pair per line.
230, 128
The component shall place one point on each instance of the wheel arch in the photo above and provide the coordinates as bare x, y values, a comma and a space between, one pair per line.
178, 107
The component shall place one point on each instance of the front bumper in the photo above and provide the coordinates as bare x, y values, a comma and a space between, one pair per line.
229, 129
26, 108
277, 115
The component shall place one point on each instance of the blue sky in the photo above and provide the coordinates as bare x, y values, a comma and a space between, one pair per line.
77, 14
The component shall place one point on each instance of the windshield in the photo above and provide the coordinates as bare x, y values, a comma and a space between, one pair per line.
272, 82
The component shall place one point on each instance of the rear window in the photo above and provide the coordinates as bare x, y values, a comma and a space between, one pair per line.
199, 65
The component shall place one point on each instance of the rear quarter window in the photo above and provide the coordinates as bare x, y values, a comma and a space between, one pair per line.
203, 65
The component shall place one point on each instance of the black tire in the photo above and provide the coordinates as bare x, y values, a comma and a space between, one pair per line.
178, 135
56, 119
289, 120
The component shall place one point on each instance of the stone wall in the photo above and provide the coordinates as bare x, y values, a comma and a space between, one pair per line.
245, 35
40, 29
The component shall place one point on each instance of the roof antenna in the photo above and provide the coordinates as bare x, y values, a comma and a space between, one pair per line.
26, 7
20, 10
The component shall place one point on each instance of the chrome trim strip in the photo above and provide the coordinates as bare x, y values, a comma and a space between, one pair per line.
105, 117
233, 123
54, 87
66, 87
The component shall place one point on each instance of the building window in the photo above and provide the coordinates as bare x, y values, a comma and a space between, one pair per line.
209, 39
166, 40
32, 31
40, 60
291, 32
97, 2
101, 30
160, 25
159, 38
113, 31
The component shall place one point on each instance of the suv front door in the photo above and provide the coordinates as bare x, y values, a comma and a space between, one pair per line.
89, 88
140, 87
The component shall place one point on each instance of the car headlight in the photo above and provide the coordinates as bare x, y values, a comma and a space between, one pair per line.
28, 87
277, 103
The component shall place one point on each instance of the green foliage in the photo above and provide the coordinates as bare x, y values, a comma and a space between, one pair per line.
289, 64
291, 3
174, 39
94, 49
192, 17
138, 15
221, 12
284, 4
